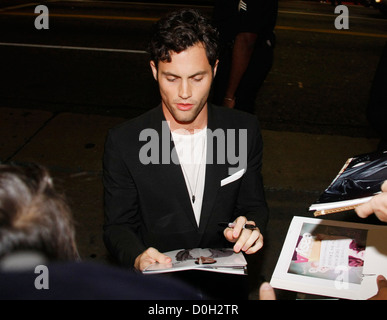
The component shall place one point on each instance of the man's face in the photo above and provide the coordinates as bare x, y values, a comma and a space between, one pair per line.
185, 84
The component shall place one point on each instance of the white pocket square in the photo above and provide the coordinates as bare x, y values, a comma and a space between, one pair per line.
237, 175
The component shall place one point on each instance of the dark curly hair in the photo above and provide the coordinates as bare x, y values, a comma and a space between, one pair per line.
180, 30
33, 216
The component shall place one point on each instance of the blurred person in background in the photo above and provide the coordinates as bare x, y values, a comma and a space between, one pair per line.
247, 41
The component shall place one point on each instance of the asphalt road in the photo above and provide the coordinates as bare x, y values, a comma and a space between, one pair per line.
92, 60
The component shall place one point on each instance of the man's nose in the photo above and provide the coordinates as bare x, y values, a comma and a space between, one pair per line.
185, 90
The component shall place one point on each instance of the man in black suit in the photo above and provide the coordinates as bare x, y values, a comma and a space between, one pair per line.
172, 174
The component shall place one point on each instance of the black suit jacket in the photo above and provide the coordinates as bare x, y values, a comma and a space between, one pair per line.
149, 205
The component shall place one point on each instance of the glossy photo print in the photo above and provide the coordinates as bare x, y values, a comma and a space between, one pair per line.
325, 251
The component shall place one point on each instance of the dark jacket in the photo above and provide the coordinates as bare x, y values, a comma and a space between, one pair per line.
149, 205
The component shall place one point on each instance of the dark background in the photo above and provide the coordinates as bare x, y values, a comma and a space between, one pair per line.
319, 82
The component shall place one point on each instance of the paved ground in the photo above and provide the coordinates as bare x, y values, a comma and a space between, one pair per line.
297, 167
319, 83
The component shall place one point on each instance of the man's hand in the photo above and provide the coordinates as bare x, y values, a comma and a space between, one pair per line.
249, 241
266, 292
150, 256
377, 205
382, 289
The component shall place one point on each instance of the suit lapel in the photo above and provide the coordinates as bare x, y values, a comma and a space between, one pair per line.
214, 173
181, 188
171, 169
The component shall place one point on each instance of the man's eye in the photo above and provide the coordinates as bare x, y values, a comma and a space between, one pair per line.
198, 79
171, 79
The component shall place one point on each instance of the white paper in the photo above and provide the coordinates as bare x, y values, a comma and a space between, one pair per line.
226, 261
332, 258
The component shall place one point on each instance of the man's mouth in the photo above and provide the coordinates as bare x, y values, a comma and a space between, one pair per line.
184, 106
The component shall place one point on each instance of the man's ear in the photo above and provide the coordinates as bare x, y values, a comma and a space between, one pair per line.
216, 67
154, 69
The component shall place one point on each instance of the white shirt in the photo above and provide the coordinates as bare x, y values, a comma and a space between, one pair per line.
191, 150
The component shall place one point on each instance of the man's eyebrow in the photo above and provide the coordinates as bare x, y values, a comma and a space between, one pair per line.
200, 73
167, 73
